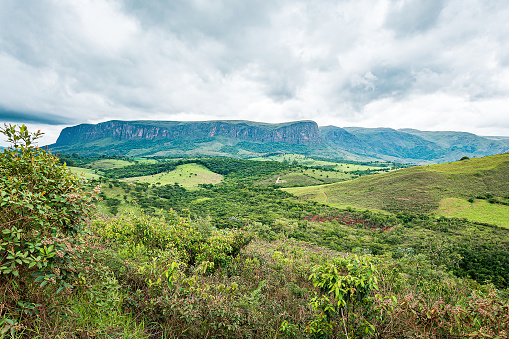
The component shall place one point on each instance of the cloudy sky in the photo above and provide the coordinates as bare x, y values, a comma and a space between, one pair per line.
425, 64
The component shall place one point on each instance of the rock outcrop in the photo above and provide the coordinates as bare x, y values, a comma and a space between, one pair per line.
298, 132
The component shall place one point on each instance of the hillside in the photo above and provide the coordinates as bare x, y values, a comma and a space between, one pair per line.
426, 189
248, 139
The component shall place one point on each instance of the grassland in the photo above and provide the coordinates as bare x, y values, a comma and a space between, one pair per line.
188, 176
88, 173
423, 189
479, 211
306, 177
306, 161
144, 161
108, 164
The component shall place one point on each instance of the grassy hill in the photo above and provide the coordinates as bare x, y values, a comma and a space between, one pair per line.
188, 176
441, 189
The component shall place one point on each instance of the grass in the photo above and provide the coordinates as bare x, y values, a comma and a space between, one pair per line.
471, 166
145, 161
328, 176
188, 175
88, 173
417, 189
306, 177
478, 211
305, 161
108, 164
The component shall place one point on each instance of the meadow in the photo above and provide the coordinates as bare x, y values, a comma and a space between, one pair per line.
188, 175
311, 162
87, 173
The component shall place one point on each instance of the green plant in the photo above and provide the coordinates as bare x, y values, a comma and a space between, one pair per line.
42, 208
345, 292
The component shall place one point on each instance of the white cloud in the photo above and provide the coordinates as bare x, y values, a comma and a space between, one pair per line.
394, 63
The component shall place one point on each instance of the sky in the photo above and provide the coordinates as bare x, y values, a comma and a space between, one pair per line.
424, 64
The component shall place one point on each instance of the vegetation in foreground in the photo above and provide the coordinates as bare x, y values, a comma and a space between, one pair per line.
167, 276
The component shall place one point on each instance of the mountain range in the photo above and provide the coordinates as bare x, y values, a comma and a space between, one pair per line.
246, 139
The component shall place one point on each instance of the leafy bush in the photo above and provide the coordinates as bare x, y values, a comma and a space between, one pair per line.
175, 234
42, 208
345, 293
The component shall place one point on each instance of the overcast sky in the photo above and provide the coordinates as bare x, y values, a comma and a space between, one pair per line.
425, 64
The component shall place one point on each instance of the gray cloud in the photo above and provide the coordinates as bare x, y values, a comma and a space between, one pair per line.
12, 116
414, 16
352, 62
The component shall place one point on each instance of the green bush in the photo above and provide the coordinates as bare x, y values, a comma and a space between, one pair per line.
42, 208
188, 244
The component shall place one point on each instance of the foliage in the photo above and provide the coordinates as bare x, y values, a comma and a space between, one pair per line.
273, 214
175, 236
345, 284
42, 209
184, 263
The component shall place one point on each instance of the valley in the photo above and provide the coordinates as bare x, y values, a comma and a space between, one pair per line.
229, 247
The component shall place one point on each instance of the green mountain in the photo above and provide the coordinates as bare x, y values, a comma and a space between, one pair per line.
247, 139
477, 189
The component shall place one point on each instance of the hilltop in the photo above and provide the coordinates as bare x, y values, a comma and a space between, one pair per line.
248, 139
439, 189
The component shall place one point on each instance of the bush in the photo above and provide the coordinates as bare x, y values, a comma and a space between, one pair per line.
42, 208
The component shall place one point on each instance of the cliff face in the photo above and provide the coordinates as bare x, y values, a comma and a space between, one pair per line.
300, 132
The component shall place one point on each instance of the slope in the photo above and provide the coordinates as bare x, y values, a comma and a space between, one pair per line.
423, 189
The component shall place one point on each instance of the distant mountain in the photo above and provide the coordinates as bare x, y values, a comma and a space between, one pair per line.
300, 132
171, 138
244, 139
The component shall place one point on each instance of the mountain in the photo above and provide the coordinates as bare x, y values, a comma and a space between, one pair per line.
458, 144
300, 132
245, 139
235, 138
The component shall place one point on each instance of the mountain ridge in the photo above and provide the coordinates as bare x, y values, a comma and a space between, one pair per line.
244, 139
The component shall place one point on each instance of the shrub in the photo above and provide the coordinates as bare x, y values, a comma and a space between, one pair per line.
42, 208
345, 293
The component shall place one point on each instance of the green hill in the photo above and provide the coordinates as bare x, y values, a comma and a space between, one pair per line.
439, 189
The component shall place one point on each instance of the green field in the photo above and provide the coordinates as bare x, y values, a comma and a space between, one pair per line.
144, 161
105, 164
188, 175
306, 161
471, 166
88, 173
479, 211
423, 189
306, 177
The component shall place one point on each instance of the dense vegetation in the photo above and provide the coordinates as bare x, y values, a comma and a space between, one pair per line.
232, 260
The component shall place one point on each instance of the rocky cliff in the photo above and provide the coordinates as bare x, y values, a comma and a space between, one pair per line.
299, 132
239, 138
